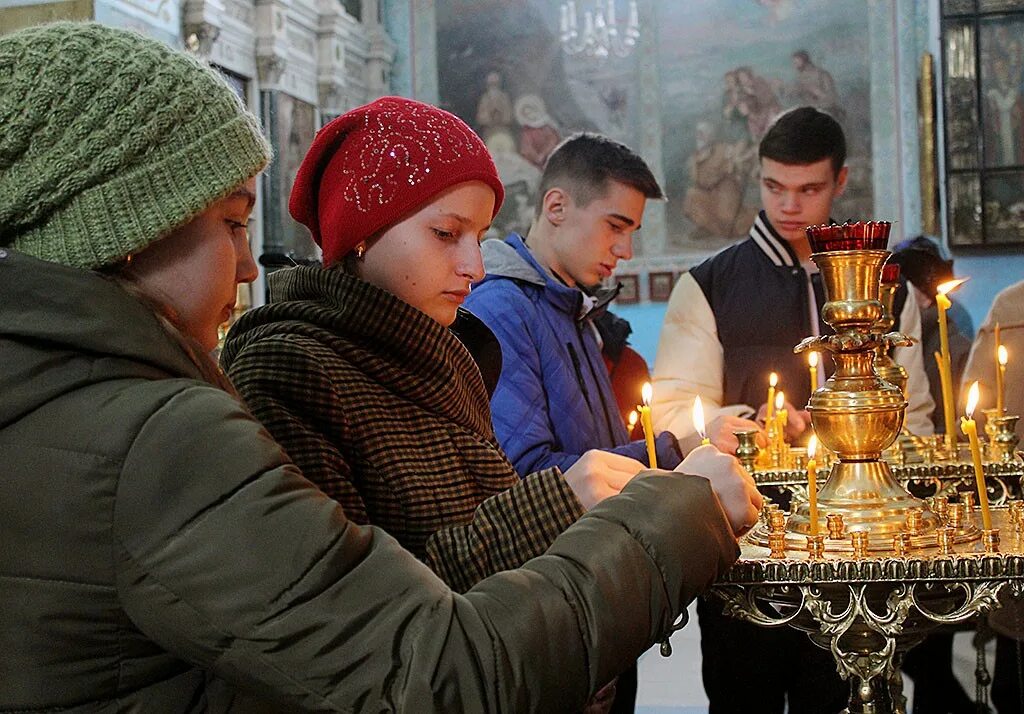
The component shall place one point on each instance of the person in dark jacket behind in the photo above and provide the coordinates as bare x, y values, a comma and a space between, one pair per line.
922, 264
161, 553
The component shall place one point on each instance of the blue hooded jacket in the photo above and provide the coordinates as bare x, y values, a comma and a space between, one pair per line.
554, 399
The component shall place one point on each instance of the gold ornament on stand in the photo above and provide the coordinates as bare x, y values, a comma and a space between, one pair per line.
858, 414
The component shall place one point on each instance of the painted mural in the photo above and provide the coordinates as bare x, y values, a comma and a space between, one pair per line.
726, 68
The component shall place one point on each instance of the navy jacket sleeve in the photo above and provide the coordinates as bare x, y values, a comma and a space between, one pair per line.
524, 416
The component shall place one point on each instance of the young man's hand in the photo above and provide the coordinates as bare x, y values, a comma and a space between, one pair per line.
798, 422
732, 484
600, 474
720, 432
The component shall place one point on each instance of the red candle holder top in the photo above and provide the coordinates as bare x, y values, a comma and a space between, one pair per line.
860, 235
891, 273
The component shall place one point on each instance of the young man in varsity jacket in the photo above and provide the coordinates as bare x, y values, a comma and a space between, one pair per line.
730, 322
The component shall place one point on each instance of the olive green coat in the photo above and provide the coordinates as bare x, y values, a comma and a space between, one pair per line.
160, 553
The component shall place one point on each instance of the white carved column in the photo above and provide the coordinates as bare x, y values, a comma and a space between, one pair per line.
330, 64
271, 41
380, 53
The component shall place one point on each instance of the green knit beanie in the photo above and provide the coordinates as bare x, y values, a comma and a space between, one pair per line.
110, 140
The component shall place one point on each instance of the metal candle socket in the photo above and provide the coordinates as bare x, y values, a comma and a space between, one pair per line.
747, 450
1004, 441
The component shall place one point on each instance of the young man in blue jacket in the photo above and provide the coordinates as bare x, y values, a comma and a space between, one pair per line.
554, 399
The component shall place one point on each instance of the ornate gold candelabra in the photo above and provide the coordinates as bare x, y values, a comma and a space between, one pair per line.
885, 566
858, 414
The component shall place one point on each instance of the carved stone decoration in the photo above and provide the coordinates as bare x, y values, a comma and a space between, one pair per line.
202, 22
270, 69
271, 41
199, 38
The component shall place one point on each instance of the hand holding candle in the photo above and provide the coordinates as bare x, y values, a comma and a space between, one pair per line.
698, 421
648, 424
970, 428
812, 484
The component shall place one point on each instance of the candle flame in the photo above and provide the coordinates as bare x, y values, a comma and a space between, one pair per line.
632, 419
812, 446
773, 379
812, 359
972, 399
646, 392
698, 417
950, 285
780, 401
1004, 357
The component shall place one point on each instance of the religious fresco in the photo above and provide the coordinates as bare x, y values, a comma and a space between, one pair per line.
502, 69
726, 68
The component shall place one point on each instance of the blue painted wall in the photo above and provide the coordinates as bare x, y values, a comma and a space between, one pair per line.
988, 275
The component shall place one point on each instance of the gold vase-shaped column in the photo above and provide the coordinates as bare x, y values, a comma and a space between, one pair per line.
857, 414
885, 366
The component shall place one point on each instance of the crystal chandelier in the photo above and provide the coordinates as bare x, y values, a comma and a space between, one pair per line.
602, 34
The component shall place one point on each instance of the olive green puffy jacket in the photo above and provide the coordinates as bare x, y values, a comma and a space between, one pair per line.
159, 553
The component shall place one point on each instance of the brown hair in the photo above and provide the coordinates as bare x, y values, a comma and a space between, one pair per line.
585, 163
209, 370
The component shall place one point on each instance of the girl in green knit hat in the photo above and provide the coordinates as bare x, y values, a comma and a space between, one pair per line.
160, 551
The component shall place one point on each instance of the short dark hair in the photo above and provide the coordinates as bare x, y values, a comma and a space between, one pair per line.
584, 163
802, 136
802, 54
922, 263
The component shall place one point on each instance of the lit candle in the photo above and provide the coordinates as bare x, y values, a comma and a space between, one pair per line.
812, 363
1001, 380
645, 420
698, 421
773, 379
812, 484
945, 370
633, 416
970, 428
781, 418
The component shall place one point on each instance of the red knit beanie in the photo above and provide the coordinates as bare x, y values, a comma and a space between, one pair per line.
372, 166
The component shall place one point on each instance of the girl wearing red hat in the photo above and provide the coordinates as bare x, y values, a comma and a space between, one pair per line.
364, 370
368, 372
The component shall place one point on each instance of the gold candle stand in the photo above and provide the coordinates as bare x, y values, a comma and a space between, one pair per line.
890, 568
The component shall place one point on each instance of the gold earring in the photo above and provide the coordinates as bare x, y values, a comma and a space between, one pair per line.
360, 251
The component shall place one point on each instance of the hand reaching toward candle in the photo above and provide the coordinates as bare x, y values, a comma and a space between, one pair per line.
600, 474
799, 420
734, 487
720, 432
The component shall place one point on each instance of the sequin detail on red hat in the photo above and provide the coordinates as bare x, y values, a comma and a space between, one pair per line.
398, 146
